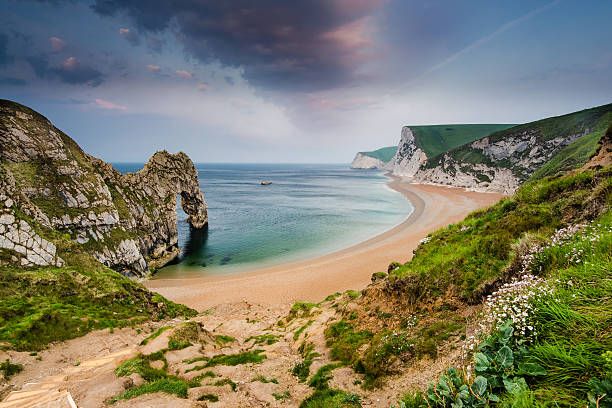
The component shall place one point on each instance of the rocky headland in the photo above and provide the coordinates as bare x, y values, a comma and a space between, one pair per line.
127, 222
501, 161
363, 161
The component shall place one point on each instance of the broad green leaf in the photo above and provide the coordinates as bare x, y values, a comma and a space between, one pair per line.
481, 362
480, 385
531, 369
493, 397
505, 357
457, 404
443, 386
515, 385
506, 332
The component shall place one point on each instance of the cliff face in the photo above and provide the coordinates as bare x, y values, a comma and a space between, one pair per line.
501, 161
409, 157
362, 161
127, 222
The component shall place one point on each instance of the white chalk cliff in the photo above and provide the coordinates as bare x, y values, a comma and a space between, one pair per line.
363, 161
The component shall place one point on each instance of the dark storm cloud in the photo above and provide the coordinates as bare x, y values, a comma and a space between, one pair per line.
313, 43
130, 35
71, 71
10, 81
5, 58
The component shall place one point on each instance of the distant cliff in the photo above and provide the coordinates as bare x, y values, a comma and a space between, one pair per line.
495, 157
376, 159
430, 140
503, 160
47, 183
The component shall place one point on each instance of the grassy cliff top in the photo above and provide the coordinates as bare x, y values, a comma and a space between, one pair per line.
384, 154
437, 139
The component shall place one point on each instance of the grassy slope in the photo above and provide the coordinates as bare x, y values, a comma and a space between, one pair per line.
576, 154
473, 253
578, 367
436, 139
46, 304
384, 154
468, 261
547, 129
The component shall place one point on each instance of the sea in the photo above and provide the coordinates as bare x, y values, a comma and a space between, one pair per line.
309, 210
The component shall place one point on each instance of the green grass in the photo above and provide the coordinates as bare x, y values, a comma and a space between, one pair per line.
169, 386
437, 139
8, 369
320, 379
281, 397
384, 154
222, 339
301, 309
582, 308
574, 342
302, 369
577, 153
544, 130
262, 339
48, 304
208, 397
344, 341
253, 357
471, 256
226, 381
331, 398
299, 331
155, 380
154, 335
264, 380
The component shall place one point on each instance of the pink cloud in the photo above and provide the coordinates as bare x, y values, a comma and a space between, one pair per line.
184, 74
109, 105
57, 43
203, 86
70, 63
124, 31
154, 68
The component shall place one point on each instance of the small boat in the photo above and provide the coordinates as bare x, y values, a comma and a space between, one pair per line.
266, 183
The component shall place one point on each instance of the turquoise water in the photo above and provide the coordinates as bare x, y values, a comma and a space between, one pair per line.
309, 210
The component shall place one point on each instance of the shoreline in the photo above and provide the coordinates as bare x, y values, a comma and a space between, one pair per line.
351, 268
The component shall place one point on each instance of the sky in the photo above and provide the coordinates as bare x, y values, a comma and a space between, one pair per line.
296, 81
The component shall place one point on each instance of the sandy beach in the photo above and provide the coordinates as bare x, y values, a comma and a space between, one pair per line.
351, 268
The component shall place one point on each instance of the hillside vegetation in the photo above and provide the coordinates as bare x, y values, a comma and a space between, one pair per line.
499, 291
41, 305
575, 124
576, 154
384, 154
437, 139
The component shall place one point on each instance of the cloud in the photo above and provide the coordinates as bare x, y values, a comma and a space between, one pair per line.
202, 86
302, 43
130, 35
5, 58
57, 44
109, 105
154, 68
184, 74
154, 44
71, 71
10, 81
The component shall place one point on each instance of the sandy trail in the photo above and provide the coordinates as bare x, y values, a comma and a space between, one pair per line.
351, 268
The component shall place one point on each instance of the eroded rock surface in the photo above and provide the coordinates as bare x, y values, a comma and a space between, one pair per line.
501, 161
128, 222
362, 161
